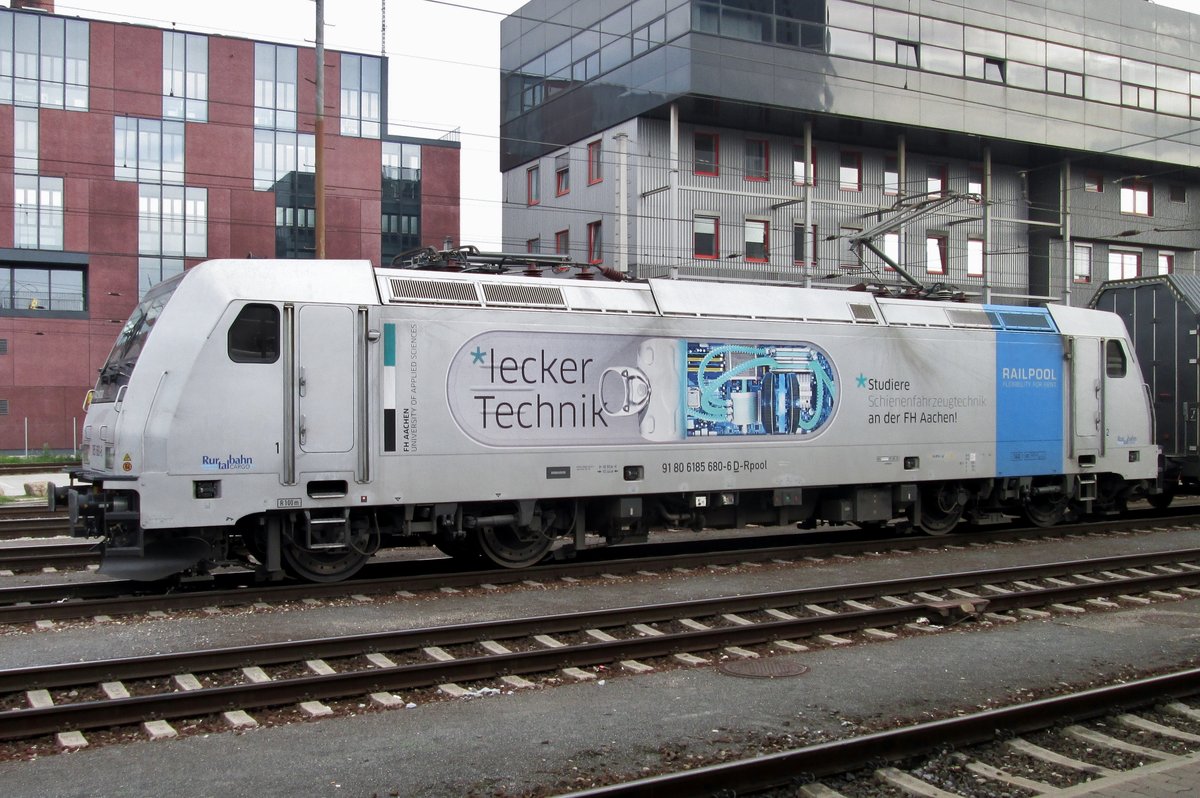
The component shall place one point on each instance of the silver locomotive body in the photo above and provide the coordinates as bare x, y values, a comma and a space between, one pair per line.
300, 415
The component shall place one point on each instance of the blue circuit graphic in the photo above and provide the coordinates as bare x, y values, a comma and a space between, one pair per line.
758, 389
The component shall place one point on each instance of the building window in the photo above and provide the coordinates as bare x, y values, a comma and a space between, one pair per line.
935, 254
1123, 264
152, 271
975, 184
172, 221
850, 171
32, 287
533, 246
1135, 96
562, 174
595, 175
296, 223
803, 172
279, 154
1068, 83
44, 61
562, 242
25, 140
891, 175
361, 92
1177, 192
974, 257
1081, 263
185, 76
274, 86
595, 248
1136, 198
1166, 262
706, 236
148, 150
1094, 182
757, 232
799, 244
707, 159
401, 162
984, 68
900, 53
38, 212
937, 179
758, 159
533, 191
891, 248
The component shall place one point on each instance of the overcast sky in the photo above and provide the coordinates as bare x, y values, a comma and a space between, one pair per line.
444, 65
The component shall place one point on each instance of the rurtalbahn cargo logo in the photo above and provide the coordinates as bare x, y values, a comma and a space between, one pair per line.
514, 389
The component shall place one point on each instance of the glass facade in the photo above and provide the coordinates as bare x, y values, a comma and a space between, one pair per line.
33, 287
401, 198
361, 96
185, 76
43, 61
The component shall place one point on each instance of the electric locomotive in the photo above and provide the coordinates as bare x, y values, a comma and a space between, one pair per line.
298, 416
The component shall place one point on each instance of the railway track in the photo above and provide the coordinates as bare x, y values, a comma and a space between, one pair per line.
59, 601
30, 467
1064, 741
40, 557
31, 521
55, 699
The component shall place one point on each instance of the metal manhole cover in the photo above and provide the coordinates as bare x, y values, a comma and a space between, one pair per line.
769, 668
1176, 619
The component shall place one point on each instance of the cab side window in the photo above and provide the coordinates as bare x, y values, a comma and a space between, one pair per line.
254, 335
1115, 362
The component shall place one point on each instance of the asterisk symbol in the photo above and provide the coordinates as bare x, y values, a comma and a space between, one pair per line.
478, 355
862, 381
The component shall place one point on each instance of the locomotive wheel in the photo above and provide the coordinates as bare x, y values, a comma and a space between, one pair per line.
1049, 509
942, 506
322, 566
514, 547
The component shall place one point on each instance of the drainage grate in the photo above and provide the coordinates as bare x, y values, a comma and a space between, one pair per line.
762, 668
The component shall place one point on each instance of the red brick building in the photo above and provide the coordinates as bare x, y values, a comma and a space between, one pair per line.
129, 153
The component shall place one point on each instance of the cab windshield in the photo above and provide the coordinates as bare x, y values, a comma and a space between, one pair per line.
119, 366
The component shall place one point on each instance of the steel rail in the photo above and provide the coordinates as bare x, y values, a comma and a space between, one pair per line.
51, 554
40, 602
842, 756
21, 723
60, 602
33, 526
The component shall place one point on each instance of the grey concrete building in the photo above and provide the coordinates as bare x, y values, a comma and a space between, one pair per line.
753, 139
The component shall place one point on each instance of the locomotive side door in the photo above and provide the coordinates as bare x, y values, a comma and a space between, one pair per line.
325, 385
1087, 389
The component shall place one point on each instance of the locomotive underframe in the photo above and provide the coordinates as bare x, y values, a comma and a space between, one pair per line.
333, 543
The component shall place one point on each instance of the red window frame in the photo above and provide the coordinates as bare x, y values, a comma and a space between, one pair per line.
1133, 188
533, 245
533, 195
716, 237
764, 147
716, 154
562, 181
562, 242
595, 252
1077, 275
593, 156
1093, 182
766, 242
